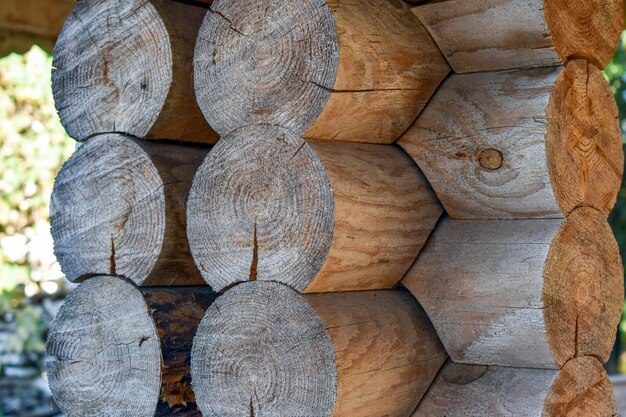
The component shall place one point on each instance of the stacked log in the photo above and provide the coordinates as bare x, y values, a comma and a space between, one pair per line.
523, 278
118, 208
126, 67
334, 70
263, 349
582, 388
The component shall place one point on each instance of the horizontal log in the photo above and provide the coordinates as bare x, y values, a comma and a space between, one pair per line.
319, 217
522, 293
127, 67
336, 70
581, 388
523, 34
118, 208
521, 144
263, 349
106, 352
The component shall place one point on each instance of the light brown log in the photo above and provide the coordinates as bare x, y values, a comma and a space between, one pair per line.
581, 388
338, 70
327, 217
521, 144
118, 208
524, 293
106, 352
491, 35
127, 67
263, 349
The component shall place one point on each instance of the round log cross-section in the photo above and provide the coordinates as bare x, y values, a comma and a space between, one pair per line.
260, 61
118, 208
107, 352
126, 66
336, 70
319, 217
264, 350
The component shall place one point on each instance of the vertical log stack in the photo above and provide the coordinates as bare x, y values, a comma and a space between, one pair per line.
306, 216
523, 148
267, 212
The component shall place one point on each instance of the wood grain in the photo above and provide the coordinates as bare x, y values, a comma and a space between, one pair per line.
127, 67
481, 283
320, 217
106, 353
118, 208
263, 349
522, 34
481, 391
177, 312
583, 288
337, 70
520, 144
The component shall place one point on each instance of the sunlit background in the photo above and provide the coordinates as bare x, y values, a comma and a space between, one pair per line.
33, 145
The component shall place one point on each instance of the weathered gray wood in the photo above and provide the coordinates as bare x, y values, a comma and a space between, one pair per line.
520, 144
263, 349
126, 66
366, 69
118, 208
271, 62
580, 389
265, 206
106, 352
524, 293
522, 34
481, 283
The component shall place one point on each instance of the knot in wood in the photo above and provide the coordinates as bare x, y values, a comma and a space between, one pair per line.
490, 159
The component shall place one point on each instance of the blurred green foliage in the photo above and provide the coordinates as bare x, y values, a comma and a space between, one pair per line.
33, 145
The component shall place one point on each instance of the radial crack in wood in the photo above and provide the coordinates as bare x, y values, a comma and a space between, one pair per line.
271, 62
345, 217
118, 208
107, 353
261, 346
260, 181
583, 288
554, 133
264, 348
522, 34
126, 66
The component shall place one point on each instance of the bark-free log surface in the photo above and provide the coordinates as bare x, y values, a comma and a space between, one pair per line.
106, 352
126, 66
522, 34
326, 217
263, 349
118, 208
581, 388
521, 144
177, 312
526, 293
365, 69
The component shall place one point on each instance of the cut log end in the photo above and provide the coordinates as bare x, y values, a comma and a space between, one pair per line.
107, 352
588, 29
262, 350
265, 62
107, 211
583, 288
264, 192
582, 389
109, 76
583, 140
